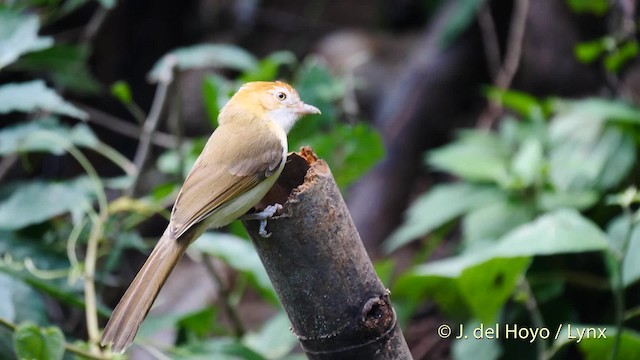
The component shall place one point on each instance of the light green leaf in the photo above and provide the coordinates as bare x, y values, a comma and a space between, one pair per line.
475, 156
19, 35
621, 56
440, 205
494, 220
558, 232
32, 342
267, 68
487, 286
45, 135
527, 164
274, 340
35, 96
520, 102
618, 232
477, 349
239, 254
17, 210
19, 302
580, 200
202, 56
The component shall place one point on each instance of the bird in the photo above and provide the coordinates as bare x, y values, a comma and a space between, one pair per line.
240, 162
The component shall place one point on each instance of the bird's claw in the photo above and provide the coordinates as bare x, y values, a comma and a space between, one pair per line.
263, 215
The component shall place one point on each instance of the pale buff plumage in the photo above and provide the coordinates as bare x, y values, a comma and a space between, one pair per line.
240, 162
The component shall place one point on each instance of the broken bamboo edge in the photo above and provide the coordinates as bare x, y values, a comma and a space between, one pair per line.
337, 305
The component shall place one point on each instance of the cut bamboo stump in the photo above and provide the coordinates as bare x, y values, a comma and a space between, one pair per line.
315, 259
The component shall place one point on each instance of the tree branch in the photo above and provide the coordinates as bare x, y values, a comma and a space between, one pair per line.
320, 270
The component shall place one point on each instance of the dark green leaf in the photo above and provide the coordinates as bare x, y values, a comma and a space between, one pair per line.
215, 90
32, 342
66, 66
350, 150
52, 199
595, 7
487, 286
595, 347
19, 302
219, 349
35, 96
440, 205
621, 56
590, 51
267, 68
461, 16
202, 56
619, 232
19, 35
199, 322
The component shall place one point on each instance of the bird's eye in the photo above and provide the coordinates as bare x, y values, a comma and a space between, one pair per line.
281, 96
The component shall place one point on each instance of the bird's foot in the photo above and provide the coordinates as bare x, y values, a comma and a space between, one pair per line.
263, 215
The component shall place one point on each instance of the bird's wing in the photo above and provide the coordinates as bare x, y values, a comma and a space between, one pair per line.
220, 175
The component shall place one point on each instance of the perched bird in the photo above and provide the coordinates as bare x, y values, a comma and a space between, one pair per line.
239, 164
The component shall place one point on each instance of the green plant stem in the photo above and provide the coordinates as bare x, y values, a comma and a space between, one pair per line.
618, 287
224, 295
68, 347
97, 228
148, 129
534, 312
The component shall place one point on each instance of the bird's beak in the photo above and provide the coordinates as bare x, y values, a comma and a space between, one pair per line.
306, 109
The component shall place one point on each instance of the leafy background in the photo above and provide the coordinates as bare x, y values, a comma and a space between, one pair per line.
535, 223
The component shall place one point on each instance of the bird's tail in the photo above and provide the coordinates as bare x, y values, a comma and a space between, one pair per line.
137, 300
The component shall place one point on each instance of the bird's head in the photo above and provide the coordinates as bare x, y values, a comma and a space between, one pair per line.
275, 101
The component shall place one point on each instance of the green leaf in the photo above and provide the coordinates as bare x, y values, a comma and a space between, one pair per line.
528, 163
19, 302
215, 93
218, 348
107, 4
33, 96
494, 220
121, 91
45, 135
202, 56
590, 51
623, 55
65, 65
240, 255
594, 347
475, 156
19, 35
477, 349
461, 16
520, 102
267, 68
595, 7
32, 342
440, 205
620, 231
342, 148
199, 322
558, 232
487, 286
17, 210
274, 340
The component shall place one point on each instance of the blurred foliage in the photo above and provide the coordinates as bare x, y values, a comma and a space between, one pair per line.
559, 180
58, 235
